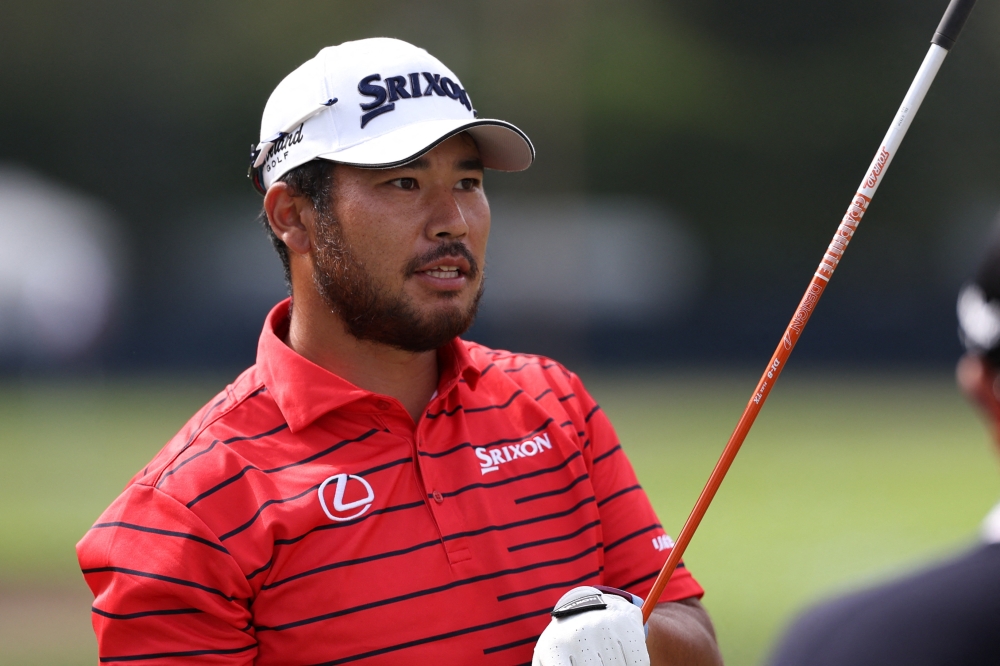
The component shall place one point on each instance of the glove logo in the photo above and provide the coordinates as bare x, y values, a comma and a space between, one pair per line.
340, 508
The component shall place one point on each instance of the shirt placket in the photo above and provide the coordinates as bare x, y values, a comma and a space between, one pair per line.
437, 477
431, 476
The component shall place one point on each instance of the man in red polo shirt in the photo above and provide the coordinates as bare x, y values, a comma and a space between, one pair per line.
374, 489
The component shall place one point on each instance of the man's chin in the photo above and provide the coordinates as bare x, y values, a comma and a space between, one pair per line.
411, 322
446, 322
436, 326
444, 304
431, 297
426, 338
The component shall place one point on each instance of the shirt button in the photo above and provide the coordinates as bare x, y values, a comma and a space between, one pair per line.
438, 497
382, 404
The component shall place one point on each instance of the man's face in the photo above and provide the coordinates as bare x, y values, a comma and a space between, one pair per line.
400, 255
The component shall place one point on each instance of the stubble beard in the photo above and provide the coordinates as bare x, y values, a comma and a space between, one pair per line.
369, 311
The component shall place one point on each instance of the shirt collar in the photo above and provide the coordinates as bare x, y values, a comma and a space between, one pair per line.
304, 391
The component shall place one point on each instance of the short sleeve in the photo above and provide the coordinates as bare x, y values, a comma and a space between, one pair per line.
635, 545
164, 585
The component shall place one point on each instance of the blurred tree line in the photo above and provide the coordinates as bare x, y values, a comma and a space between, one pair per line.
754, 122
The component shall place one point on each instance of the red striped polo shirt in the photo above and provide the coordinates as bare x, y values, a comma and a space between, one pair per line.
299, 519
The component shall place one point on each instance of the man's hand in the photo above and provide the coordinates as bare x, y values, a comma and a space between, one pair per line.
680, 632
593, 626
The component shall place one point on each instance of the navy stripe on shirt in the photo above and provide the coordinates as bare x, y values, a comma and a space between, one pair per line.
352, 562
621, 492
566, 584
154, 530
165, 579
565, 537
226, 442
643, 579
647, 528
607, 453
557, 491
133, 616
222, 484
473, 410
520, 477
438, 637
382, 603
520, 523
168, 655
334, 526
507, 646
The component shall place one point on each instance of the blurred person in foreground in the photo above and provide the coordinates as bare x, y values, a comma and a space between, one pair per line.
948, 613
375, 489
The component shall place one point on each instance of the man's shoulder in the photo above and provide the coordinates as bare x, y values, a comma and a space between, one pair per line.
242, 413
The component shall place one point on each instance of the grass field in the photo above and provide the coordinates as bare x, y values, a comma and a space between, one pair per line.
844, 480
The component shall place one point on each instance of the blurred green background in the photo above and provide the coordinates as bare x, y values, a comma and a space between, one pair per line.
845, 479
750, 124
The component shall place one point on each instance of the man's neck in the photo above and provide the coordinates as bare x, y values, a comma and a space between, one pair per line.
320, 336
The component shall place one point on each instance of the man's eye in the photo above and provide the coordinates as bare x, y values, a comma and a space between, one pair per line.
467, 184
405, 183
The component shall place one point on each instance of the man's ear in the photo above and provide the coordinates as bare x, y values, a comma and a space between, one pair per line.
285, 214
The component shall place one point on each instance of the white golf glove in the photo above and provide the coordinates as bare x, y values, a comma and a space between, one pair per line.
594, 626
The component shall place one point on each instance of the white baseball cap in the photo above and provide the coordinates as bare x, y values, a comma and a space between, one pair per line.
374, 103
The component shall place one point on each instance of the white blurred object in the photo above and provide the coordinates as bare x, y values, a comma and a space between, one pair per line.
605, 629
979, 319
572, 260
57, 268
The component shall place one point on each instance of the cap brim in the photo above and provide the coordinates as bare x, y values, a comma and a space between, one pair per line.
502, 146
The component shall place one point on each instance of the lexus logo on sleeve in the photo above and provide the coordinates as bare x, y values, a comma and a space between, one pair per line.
351, 485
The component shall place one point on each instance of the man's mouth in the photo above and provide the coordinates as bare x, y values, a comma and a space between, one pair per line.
451, 265
446, 272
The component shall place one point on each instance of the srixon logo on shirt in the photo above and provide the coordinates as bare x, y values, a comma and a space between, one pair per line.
411, 86
491, 459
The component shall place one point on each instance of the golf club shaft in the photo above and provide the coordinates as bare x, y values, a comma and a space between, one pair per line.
944, 39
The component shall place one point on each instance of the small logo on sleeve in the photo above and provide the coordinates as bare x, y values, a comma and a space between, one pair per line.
491, 459
343, 511
662, 542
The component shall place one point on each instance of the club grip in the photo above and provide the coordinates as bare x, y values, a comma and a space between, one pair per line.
951, 24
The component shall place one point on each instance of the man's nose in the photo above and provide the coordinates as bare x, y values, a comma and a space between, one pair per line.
446, 218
